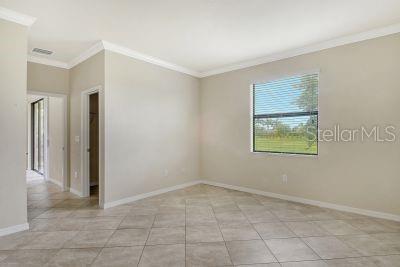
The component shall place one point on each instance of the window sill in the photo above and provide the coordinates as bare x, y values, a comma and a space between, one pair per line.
277, 154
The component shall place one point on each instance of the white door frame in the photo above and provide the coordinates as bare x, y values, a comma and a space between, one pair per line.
65, 134
85, 142
46, 138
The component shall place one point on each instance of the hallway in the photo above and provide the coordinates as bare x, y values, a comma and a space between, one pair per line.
198, 226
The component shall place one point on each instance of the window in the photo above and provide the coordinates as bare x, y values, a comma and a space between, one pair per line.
285, 115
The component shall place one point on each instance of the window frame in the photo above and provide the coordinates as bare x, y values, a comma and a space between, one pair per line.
253, 117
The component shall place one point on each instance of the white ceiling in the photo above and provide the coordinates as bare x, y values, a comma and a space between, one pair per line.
201, 35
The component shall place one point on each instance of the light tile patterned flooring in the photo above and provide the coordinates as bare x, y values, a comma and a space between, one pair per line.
197, 226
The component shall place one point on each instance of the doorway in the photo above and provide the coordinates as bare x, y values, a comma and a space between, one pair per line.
94, 144
38, 136
47, 138
91, 144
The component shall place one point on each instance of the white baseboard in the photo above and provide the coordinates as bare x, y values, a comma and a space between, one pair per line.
370, 213
60, 184
14, 229
149, 194
76, 192
365, 212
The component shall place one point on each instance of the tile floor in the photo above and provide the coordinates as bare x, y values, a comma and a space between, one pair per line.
197, 226
33, 176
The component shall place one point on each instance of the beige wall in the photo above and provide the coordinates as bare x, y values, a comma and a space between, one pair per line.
151, 126
13, 47
47, 79
84, 76
152, 118
359, 85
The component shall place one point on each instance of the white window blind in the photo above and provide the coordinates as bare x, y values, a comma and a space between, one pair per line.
285, 115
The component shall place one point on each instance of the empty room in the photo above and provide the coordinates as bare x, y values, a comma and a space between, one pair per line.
200, 133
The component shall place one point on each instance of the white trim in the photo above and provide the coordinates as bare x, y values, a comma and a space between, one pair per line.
76, 192
65, 132
149, 194
10, 15
88, 53
85, 179
47, 61
45, 100
93, 50
14, 229
349, 39
60, 184
143, 57
104, 45
275, 78
46, 137
65, 147
43, 93
365, 212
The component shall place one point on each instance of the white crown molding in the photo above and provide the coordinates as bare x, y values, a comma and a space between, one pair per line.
104, 45
349, 39
10, 15
47, 61
93, 50
137, 55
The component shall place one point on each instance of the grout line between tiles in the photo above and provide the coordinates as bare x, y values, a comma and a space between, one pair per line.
63, 205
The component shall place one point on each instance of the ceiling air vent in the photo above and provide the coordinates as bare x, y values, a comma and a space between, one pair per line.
42, 51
